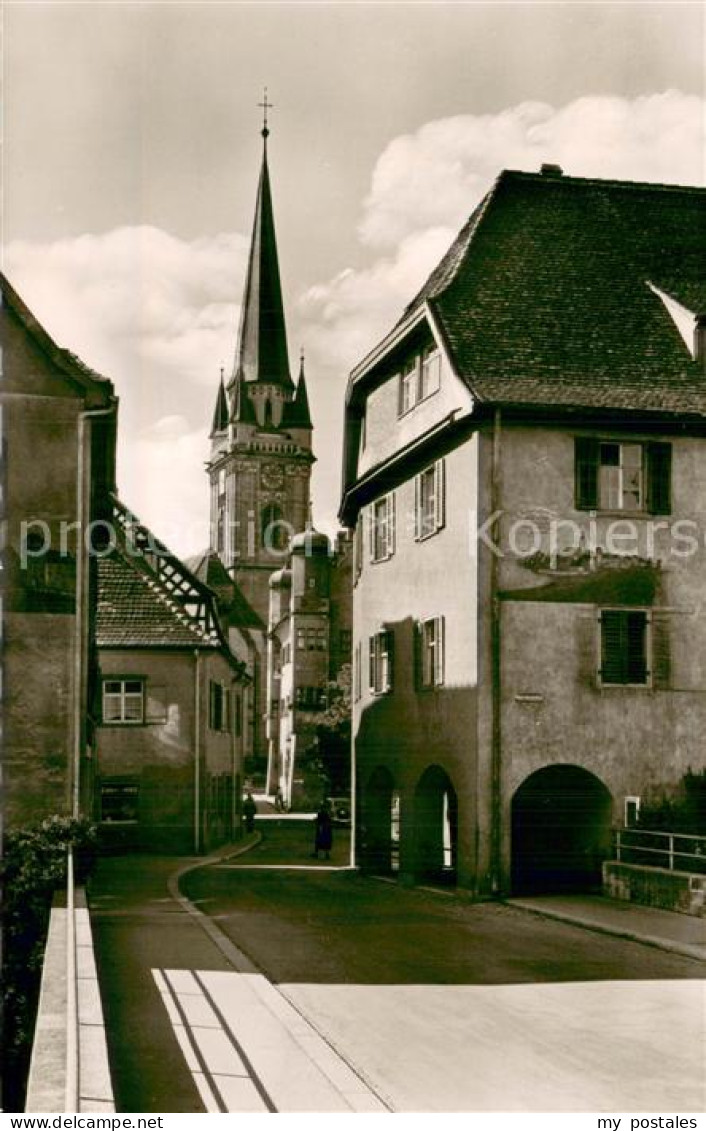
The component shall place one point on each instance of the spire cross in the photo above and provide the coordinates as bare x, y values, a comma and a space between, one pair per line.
265, 106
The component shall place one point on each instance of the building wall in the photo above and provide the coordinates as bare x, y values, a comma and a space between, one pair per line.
637, 741
159, 756
410, 730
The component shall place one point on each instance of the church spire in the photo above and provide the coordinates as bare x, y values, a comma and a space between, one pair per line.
220, 415
261, 353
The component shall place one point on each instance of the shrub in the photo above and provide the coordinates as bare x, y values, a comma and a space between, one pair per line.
684, 812
33, 868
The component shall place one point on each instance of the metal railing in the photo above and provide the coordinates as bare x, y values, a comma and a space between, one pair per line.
677, 852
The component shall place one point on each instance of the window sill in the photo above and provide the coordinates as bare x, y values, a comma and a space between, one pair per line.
426, 537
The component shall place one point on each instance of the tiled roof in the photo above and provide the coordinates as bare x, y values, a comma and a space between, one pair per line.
136, 611
544, 296
237, 610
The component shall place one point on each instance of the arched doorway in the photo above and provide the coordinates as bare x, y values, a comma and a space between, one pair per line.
436, 827
380, 823
561, 818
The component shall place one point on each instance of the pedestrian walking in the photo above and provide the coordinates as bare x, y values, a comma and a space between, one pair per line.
249, 811
323, 836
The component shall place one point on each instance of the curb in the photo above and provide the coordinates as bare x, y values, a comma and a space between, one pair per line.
683, 949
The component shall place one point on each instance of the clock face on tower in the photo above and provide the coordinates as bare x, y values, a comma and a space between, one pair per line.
272, 476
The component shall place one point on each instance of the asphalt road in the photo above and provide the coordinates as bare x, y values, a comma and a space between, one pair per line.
448, 1006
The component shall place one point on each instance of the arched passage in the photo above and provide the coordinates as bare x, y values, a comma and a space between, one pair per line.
380, 812
436, 826
561, 819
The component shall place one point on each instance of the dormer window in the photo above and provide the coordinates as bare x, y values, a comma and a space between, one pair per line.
419, 378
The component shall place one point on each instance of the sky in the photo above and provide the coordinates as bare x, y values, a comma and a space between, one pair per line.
132, 151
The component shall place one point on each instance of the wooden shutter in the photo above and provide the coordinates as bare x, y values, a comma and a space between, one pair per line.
440, 649
661, 652
440, 493
612, 646
418, 507
586, 473
659, 478
390, 524
371, 664
636, 647
388, 642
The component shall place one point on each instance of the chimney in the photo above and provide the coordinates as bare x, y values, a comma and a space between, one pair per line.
548, 170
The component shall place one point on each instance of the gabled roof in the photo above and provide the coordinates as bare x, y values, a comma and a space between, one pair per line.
148, 598
99, 389
237, 610
543, 298
136, 612
261, 354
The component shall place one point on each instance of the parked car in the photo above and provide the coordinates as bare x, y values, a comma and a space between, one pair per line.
340, 810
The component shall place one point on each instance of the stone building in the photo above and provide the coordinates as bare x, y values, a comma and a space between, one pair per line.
525, 467
309, 642
58, 437
173, 703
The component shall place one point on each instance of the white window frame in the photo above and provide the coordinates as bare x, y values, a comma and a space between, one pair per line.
426, 525
632, 800
431, 652
382, 529
380, 657
429, 364
622, 472
408, 386
122, 697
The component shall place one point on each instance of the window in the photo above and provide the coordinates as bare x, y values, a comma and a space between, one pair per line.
431, 652
358, 672
218, 706
124, 701
624, 647
345, 640
419, 378
382, 528
631, 811
119, 799
237, 714
620, 475
430, 372
380, 662
363, 429
311, 639
273, 529
408, 387
429, 501
310, 698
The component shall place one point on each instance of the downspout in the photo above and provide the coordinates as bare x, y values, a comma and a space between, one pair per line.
82, 550
496, 671
197, 752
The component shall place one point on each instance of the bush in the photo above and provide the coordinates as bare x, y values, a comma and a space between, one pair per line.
684, 812
33, 868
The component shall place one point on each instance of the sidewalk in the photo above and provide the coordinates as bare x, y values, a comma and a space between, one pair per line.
192, 1025
668, 930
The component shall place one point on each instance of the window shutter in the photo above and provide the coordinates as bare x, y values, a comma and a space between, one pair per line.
612, 650
586, 473
389, 644
636, 652
659, 478
371, 664
440, 494
371, 531
417, 507
661, 652
390, 524
418, 645
439, 652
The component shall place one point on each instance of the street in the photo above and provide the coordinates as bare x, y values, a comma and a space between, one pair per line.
441, 1005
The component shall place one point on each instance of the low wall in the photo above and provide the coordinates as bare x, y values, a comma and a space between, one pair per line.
655, 887
69, 1053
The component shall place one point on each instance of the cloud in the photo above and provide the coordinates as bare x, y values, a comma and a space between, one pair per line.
435, 176
158, 314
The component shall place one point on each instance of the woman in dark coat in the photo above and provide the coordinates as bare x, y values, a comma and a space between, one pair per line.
323, 840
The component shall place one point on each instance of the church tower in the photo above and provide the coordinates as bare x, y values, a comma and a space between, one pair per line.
261, 454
